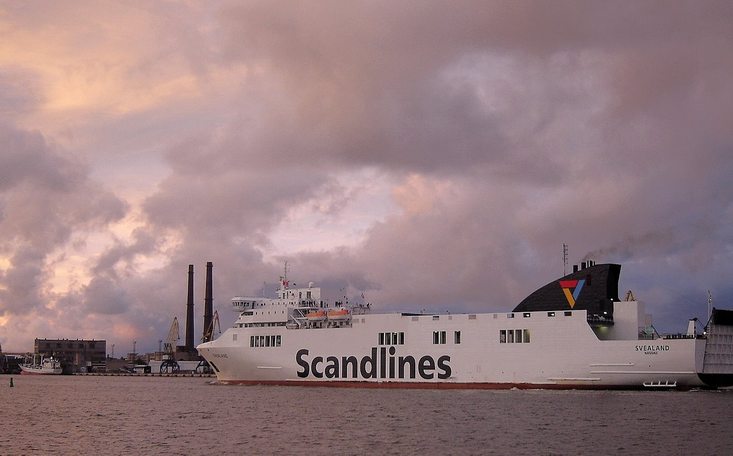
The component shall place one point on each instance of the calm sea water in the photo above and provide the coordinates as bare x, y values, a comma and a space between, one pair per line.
192, 416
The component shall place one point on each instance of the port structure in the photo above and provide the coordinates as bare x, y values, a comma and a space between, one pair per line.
169, 364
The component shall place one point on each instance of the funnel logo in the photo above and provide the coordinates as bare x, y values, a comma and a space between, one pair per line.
572, 288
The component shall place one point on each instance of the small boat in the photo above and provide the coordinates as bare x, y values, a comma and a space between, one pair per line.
42, 366
316, 315
338, 314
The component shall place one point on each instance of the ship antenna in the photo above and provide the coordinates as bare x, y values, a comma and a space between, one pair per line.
710, 305
564, 258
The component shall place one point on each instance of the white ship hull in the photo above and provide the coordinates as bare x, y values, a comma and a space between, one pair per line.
562, 352
536, 349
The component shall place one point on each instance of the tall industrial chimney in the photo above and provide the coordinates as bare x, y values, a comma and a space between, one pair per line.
208, 304
189, 311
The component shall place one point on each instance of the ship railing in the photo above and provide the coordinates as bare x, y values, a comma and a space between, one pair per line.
679, 336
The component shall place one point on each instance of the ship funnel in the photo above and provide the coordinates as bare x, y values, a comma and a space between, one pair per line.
208, 303
189, 311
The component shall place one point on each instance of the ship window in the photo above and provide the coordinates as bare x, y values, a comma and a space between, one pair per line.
526, 315
510, 336
518, 336
550, 314
526, 335
381, 338
388, 338
278, 340
456, 337
502, 336
436, 317
472, 317
568, 313
394, 338
234, 336
251, 341
436, 337
510, 315
257, 341
442, 337
402, 338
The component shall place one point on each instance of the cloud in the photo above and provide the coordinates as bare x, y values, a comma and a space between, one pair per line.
45, 196
432, 155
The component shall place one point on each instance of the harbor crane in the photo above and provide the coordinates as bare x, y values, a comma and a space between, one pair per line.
203, 366
169, 364
209, 332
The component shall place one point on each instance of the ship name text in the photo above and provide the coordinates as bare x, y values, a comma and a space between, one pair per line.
380, 364
651, 349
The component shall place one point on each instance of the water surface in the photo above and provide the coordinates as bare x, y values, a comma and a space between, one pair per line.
191, 416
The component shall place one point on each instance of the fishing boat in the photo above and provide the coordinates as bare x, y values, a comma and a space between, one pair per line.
572, 333
41, 365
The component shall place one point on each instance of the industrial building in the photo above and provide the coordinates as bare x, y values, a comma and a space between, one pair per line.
77, 355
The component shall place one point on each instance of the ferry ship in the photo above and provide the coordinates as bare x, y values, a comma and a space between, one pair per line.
573, 333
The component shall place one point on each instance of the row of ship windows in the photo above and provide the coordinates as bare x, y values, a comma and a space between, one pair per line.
264, 341
392, 338
259, 325
568, 313
514, 336
440, 337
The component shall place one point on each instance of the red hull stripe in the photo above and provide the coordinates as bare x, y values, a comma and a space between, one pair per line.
428, 385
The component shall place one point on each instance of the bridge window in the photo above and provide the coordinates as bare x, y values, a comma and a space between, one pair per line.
456, 337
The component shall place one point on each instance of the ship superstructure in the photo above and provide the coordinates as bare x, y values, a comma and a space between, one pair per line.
572, 333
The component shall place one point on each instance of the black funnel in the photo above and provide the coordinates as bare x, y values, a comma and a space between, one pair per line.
208, 304
189, 311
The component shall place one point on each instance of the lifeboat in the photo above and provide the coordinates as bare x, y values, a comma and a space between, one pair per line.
338, 314
316, 315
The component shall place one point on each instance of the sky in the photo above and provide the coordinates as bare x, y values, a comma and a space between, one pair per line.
433, 156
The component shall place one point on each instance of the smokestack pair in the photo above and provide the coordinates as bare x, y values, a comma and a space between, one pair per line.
208, 306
